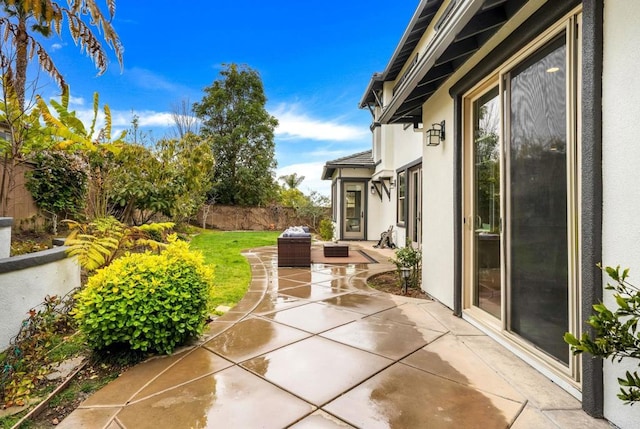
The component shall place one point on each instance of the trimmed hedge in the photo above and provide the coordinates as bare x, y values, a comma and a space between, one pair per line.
147, 301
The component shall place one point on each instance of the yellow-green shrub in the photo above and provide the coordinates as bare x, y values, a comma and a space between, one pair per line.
147, 301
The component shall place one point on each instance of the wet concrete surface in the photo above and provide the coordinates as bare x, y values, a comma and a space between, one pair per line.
316, 348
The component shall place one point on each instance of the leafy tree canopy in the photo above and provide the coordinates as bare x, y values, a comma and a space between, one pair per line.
241, 133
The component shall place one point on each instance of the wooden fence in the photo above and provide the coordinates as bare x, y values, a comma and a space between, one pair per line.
25, 213
21, 206
234, 218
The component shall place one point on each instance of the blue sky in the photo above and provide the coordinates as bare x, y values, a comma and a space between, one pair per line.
315, 60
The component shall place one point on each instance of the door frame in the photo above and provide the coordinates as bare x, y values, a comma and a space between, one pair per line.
415, 205
571, 376
590, 202
364, 215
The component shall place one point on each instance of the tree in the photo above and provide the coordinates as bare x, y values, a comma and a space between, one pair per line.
315, 207
241, 132
171, 179
292, 181
293, 198
21, 23
184, 120
20, 135
46, 18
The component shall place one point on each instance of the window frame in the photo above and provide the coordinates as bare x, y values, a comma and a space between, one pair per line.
401, 210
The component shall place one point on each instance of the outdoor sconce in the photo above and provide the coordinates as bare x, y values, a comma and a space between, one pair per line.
392, 183
406, 273
373, 189
435, 135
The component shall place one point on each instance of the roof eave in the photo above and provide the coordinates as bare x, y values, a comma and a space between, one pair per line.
381, 77
457, 19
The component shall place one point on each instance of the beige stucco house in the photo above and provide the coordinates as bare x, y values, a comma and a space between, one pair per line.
504, 143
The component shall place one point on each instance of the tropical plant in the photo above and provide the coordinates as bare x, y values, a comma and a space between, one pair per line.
146, 301
98, 243
241, 134
69, 133
615, 332
292, 181
23, 20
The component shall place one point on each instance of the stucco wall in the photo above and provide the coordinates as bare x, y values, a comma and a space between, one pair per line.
5, 236
401, 146
621, 158
26, 280
437, 204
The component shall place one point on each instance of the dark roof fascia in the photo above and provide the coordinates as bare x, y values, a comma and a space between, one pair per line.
452, 24
408, 42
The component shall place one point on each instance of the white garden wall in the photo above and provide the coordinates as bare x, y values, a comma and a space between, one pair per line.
5, 236
26, 280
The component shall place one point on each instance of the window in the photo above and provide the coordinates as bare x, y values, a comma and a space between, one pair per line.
402, 193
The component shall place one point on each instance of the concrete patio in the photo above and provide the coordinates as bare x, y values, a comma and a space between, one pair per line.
317, 348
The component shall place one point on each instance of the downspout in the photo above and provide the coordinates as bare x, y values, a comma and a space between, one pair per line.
457, 206
591, 195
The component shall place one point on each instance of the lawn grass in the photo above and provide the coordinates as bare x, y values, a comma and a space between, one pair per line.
232, 271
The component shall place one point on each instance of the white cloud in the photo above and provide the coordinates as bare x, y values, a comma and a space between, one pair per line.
147, 79
76, 101
56, 46
146, 118
294, 124
121, 119
312, 172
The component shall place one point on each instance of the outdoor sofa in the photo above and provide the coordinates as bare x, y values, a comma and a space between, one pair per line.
294, 247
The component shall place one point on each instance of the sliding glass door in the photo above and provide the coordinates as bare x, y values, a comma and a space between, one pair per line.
537, 195
521, 186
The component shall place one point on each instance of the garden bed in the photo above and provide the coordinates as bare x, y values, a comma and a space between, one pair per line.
388, 282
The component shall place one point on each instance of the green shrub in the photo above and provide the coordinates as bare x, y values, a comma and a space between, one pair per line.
326, 229
615, 331
409, 257
146, 301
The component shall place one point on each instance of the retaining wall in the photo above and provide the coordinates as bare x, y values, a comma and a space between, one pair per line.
26, 280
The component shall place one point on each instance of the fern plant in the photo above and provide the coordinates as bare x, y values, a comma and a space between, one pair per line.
98, 243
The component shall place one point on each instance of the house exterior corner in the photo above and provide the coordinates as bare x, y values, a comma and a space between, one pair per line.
504, 145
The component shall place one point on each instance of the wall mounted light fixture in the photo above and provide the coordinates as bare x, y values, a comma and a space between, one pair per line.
435, 134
